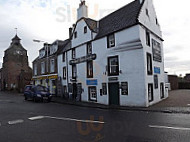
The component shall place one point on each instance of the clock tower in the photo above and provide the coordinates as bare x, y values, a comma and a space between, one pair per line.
15, 62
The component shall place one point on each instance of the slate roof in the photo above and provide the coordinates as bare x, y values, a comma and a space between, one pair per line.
63, 46
123, 18
92, 24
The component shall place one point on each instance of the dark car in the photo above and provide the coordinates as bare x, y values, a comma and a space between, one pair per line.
37, 93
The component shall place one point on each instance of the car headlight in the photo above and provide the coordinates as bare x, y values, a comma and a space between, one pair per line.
38, 95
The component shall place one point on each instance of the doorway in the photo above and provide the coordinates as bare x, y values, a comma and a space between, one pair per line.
113, 93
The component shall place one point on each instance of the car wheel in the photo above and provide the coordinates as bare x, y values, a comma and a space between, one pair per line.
25, 97
49, 99
34, 99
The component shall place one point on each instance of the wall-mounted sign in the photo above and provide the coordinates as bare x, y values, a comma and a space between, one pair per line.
83, 59
124, 88
113, 79
156, 70
79, 88
92, 82
156, 48
104, 89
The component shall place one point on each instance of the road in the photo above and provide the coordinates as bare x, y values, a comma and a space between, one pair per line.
26, 121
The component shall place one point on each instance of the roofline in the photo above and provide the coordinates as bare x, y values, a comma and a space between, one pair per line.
117, 31
151, 32
118, 9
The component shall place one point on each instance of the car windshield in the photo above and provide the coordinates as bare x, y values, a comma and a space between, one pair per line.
42, 88
27, 88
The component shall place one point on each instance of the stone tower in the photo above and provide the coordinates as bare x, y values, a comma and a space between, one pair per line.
15, 62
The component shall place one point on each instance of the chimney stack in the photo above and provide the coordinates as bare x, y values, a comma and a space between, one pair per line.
70, 32
82, 11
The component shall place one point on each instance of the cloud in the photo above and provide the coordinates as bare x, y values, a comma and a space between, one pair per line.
41, 19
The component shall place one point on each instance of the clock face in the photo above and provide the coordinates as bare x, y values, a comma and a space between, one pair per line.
19, 52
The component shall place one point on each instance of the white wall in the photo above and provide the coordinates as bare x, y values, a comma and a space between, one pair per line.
81, 37
150, 22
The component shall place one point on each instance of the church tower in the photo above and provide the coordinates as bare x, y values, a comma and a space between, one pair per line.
15, 62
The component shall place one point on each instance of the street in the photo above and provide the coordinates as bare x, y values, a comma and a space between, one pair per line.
26, 121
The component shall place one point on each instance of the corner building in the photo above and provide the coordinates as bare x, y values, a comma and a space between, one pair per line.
117, 60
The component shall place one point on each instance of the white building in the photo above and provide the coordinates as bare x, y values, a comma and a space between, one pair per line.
117, 60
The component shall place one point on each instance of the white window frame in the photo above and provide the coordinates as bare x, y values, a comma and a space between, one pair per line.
35, 69
42, 67
52, 65
92, 93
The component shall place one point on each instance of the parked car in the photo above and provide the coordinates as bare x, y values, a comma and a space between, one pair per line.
37, 93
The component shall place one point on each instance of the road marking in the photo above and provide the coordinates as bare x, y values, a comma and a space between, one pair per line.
36, 118
167, 127
65, 119
15, 122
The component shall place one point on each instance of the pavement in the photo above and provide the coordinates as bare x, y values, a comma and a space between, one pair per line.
177, 102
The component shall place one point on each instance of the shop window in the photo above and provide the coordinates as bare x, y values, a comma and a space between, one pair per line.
89, 48
162, 90
111, 40
147, 38
113, 66
64, 73
149, 64
92, 93
90, 69
150, 93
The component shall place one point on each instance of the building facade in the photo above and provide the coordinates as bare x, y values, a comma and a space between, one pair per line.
15, 61
45, 66
117, 60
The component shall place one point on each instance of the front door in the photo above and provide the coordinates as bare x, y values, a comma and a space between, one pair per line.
113, 93
74, 91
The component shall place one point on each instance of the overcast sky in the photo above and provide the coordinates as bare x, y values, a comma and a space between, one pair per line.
49, 20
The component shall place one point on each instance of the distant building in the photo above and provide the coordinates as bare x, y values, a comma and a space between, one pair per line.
45, 66
15, 61
173, 80
187, 78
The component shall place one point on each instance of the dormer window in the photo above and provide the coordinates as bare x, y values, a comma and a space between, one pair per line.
85, 29
75, 35
111, 40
